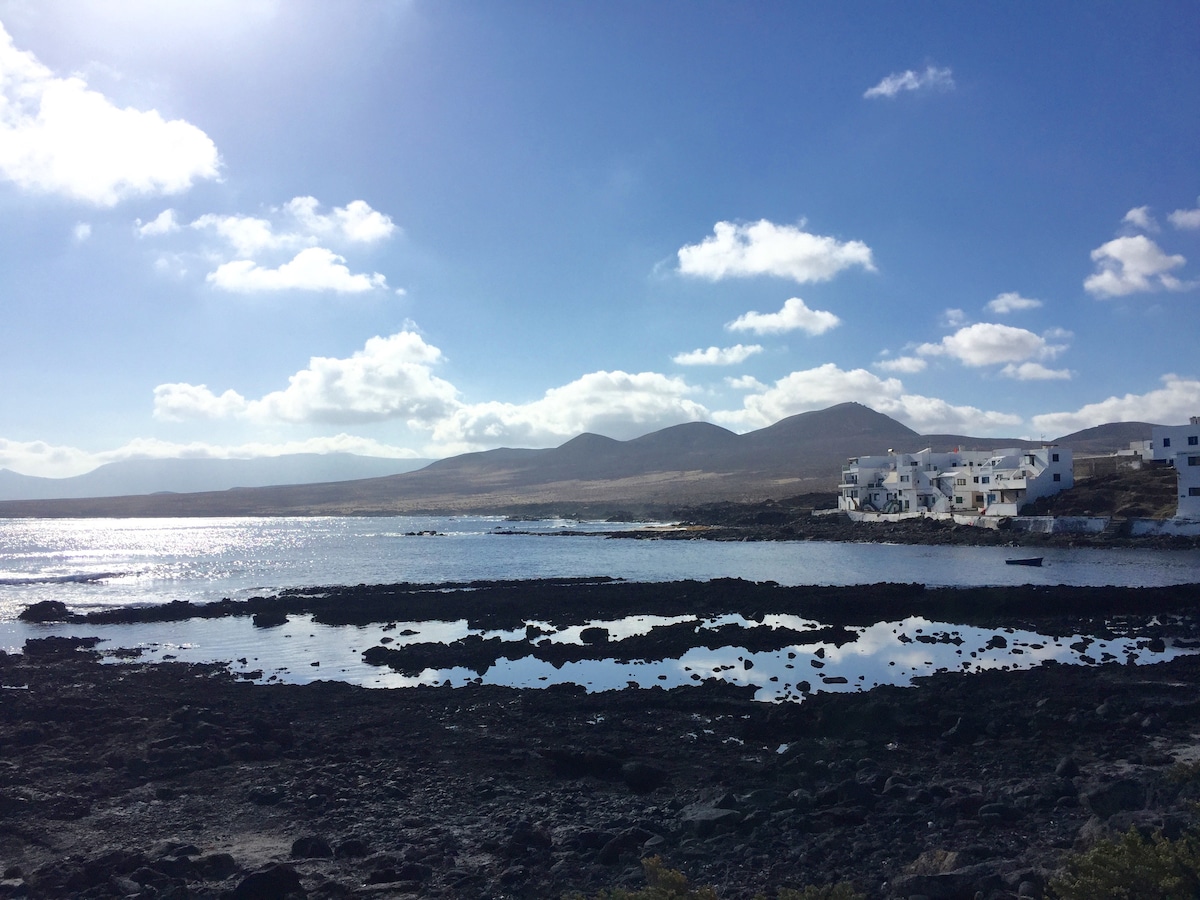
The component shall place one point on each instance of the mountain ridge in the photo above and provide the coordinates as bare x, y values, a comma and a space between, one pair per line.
183, 475
677, 466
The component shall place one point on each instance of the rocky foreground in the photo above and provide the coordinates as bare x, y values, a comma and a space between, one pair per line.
172, 781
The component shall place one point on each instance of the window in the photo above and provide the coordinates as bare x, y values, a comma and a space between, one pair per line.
1193, 440
1053, 457
1194, 460
1057, 477
1194, 492
977, 479
987, 479
959, 482
958, 501
1166, 442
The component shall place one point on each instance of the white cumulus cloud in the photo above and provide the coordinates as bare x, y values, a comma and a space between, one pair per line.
905, 365
1172, 404
932, 78
43, 459
299, 223
180, 401
986, 343
298, 227
1131, 265
164, 223
1011, 302
390, 378
312, 269
794, 316
764, 248
953, 318
1031, 371
1139, 217
616, 404
717, 356
247, 236
827, 385
356, 221
58, 136
745, 383
1185, 218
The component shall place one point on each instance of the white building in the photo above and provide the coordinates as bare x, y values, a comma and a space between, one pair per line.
1179, 446
980, 482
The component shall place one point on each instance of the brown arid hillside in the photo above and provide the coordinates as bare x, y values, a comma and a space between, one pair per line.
685, 465
1148, 492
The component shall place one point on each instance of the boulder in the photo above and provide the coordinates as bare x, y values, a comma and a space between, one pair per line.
706, 821
629, 841
311, 847
351, 848
1116, 796
1067, 767
273, 883
48, 611
962, 884
59, 646
215, 866
643, 777
271, 618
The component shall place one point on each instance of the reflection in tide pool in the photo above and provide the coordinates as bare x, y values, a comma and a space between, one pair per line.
884, 653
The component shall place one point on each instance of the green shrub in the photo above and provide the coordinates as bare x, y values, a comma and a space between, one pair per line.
1133, 868
661, 884
840, 891
1185, 772
668, 884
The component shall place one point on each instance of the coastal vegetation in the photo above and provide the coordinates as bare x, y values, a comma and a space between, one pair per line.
1133, 867
663, 883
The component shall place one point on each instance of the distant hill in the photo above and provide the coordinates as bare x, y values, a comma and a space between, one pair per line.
676, 467
1106, 438
151, 476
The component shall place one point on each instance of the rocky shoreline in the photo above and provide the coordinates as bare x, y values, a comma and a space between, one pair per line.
785, 522
810, 517
172, 781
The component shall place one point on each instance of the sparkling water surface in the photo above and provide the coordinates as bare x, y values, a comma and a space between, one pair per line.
98, 563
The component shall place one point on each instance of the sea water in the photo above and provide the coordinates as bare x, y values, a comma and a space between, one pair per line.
97, 563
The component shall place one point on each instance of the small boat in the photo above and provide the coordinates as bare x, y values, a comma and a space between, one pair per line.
1025, 561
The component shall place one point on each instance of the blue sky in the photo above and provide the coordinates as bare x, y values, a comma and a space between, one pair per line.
248, 227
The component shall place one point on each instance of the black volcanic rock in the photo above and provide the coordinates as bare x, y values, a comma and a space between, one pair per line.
47, 611
483, 791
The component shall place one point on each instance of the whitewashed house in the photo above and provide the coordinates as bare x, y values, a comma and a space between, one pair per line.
979, 482
1179, 446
